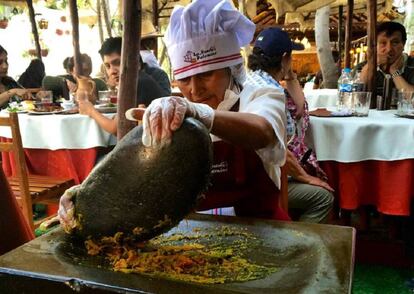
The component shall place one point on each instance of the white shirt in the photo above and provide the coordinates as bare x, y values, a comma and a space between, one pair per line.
266, 99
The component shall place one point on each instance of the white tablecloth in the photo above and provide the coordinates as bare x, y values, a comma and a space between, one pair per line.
321, 98
380, 136
59, 131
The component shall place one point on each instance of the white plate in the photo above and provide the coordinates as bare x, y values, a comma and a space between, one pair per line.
44, 112
19, 111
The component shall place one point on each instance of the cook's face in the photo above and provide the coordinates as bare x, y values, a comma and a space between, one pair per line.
208, 87
112, 65
4, 65
390, 46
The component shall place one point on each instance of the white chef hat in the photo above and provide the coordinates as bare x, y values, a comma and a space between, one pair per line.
206, 35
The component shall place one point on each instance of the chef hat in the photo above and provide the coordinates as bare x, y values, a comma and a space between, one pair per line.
206, 35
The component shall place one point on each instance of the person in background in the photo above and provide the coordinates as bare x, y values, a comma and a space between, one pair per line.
33, 75
10, 90
318, 81
63, 85
65, 64
148, 89
395, 69
149, 37
308, 192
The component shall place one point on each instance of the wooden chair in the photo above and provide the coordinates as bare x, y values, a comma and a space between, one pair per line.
283, 198
29, 189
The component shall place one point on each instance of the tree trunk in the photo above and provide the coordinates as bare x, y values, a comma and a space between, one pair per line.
34, 28
372, 53
348, 32
326, 61
107, 19
73, 8
99, 15
127, 95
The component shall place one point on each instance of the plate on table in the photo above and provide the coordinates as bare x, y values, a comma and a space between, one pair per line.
36, 112
46, 109
106, 108
406, 115
15, 111
323, 112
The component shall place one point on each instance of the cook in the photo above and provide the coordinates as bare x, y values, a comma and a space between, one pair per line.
247, 120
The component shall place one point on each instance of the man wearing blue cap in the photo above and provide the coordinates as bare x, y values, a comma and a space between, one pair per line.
308, 191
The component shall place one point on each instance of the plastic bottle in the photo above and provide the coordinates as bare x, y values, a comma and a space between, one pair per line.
345, 90
357, 84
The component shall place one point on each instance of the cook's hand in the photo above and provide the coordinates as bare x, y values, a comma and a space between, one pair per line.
165, 115
318, 182
85, 107
66, 210
398, 64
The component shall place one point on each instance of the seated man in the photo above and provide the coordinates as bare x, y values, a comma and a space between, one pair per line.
148, 87
395, 69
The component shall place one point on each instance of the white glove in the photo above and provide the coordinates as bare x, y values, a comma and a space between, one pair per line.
165, 115
66, 210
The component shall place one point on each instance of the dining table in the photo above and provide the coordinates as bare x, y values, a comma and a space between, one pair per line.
59, 145
369, 160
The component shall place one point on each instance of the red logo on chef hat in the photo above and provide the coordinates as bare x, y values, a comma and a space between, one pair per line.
189, 57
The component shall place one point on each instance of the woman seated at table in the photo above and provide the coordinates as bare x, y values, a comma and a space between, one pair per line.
64, 84
246, 121
10, 90
308, 190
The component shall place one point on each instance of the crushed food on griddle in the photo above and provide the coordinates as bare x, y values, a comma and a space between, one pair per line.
208, 256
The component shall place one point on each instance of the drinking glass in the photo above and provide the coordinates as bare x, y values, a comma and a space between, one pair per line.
405, 102
104, 97
362, 101
45, 97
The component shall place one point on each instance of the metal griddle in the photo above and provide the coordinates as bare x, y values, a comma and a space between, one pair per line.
310, 258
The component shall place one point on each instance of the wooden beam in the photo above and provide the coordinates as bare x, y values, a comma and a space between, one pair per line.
127, 94
34, 28
372, 52
348, 32
73, 9
340, 33
155, 21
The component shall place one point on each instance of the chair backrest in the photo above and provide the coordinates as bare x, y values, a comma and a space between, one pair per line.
16, 147
283, 199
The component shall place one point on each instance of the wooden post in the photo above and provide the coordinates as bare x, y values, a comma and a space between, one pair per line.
372, 51
340, 33
75, 36
34, 28
156, 23
348, 32
127, 94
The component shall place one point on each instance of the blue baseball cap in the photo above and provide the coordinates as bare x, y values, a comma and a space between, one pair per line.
274, 41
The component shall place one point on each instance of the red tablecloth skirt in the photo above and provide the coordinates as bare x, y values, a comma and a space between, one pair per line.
389, 185
67, 163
